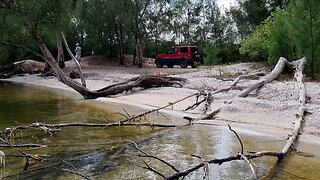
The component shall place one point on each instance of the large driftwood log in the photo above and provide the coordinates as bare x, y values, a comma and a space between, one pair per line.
302, 105
20, 67
278, 69
239, 78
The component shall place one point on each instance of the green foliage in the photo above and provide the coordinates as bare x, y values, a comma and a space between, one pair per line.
20, 19
256, 46
248, 14
305, 30
116, 26
281, 44
229, 52
210, 52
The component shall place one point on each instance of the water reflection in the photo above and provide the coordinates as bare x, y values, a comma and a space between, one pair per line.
100, 153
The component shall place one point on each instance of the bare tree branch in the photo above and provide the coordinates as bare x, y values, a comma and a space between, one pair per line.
144, 154
25, 48
74, 170
237, 138
75, 60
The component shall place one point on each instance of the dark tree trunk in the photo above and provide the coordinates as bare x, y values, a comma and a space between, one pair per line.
46, 69
139, 51
119, 35
60, 58
134, 60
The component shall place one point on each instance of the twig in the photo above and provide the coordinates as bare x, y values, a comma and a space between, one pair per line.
23, 153
22, 47
237, 137
153, 157
209, 116
158, 109
23, 145
74, 170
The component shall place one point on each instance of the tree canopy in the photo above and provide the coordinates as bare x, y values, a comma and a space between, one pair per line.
265, 29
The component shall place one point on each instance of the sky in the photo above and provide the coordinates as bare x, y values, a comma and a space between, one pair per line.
225, 3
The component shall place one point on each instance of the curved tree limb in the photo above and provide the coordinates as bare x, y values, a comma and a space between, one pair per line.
241, 144
22, 47
75, 60
74, 170
302, 106
265, 79
235, 82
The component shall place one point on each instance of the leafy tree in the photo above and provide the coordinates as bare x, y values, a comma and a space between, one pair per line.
278, 4
305, 29
281, 44
248, 14
40, 20
256, 45
211, 52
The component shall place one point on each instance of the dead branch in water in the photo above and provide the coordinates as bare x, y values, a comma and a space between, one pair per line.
22, 145
74, 170
52, 128
181, 174
299, 66
25, 155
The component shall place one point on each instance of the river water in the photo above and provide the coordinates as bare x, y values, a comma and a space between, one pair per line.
101, 154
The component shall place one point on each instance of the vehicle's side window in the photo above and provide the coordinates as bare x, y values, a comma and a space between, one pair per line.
194, 49
172, 51
184, 50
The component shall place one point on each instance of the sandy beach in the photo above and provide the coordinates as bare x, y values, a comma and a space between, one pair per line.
269, 111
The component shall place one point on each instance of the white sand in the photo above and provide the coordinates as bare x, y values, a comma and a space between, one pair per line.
270, 111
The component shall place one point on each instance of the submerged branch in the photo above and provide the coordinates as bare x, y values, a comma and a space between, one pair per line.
23, 145
74, 170
51, 128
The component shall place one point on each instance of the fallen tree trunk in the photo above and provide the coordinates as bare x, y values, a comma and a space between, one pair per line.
20, 67
145, 81
302, 106
278, 69
239, 78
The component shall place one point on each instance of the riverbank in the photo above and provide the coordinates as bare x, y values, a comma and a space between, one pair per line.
270, 111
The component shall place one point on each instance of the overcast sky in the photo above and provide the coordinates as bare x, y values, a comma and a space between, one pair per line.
225, 3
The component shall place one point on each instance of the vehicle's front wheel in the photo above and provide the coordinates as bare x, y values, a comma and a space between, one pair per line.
184, 63
159, 63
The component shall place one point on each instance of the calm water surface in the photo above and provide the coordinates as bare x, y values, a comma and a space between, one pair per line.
100, 153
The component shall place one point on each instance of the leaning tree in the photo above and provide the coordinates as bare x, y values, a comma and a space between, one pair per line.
41, 19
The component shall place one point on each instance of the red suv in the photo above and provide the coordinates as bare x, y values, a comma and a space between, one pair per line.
179, 55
